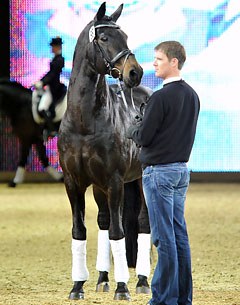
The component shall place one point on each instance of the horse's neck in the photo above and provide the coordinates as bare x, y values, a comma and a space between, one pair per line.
88, 94
14, 100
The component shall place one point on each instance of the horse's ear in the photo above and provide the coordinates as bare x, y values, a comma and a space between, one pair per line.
101, 12
117, 13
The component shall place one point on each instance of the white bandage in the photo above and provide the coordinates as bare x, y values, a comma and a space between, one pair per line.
79, 260
104, 251
54, 173
121, 273
19, 176
143, 256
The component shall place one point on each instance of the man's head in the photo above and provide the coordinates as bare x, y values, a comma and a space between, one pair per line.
169, 59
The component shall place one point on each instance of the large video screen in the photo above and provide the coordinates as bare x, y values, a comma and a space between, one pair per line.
209, 30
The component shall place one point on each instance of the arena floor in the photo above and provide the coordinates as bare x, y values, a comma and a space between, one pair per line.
35, 237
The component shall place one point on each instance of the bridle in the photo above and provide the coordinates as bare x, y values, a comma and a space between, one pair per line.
110, 63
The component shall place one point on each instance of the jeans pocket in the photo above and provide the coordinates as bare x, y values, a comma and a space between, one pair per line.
165, 182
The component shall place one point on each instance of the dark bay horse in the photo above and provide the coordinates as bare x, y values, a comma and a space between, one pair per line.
94, 150
16, 104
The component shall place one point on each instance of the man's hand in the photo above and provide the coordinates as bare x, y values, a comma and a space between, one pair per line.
130, 131
135, 126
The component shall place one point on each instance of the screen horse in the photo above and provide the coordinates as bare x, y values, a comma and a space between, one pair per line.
94, 150
16, 104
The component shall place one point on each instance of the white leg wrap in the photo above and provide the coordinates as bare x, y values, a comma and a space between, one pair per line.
54, 173
79, 260
19, 176
121, 273
143, 256
104, 251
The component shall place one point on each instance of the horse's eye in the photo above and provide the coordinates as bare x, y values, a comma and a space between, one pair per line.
103, 38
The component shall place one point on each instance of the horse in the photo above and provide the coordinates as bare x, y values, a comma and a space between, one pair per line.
94, 150
16, 104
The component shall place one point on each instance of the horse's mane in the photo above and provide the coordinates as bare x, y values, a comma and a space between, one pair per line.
6, 81
14, 97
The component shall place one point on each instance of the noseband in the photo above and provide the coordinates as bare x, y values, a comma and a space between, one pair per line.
110, 63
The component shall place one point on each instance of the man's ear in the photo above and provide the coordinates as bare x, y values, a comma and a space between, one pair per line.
174, 62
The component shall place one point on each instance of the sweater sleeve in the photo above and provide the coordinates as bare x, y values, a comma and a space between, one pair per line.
151, 122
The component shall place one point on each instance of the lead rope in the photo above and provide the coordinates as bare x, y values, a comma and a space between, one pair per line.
133, 100
123, 96
122, 93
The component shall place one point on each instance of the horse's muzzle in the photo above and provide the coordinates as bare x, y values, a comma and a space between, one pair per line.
132, 72
134, 77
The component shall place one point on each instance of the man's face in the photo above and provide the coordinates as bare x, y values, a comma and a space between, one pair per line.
163, 67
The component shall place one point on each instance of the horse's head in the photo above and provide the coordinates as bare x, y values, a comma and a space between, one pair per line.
112, 55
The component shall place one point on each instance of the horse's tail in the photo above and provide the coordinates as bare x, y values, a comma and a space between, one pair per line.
132, 206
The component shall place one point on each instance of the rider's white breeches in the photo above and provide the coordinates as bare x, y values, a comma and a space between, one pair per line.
46, 100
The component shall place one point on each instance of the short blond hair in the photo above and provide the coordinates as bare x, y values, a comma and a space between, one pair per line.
173, 49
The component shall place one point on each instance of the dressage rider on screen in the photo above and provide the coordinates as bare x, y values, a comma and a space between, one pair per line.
54, 89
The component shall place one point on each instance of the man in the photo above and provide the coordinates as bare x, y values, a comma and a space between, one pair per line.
166, 135
54, 89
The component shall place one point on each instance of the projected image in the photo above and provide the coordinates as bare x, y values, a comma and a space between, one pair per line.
207, 29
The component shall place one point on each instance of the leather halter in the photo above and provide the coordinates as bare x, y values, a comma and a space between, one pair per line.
110, 63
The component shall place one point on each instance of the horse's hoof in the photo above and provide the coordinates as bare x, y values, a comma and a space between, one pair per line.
12, 184
143, 289
102, 287
103, 282
122, 293
142, 285
122, 296
76, 296
77, 292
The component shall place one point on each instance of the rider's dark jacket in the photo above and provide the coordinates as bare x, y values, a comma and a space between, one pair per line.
52, 78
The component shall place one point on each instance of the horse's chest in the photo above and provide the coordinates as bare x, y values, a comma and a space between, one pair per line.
96, 148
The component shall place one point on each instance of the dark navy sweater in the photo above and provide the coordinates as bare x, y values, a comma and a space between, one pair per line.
168, 129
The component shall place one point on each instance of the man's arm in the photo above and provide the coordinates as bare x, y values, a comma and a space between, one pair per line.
143, 133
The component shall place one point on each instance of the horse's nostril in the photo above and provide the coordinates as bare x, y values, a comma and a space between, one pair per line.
133, 74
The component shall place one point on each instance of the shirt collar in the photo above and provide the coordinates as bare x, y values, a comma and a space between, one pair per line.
171, 79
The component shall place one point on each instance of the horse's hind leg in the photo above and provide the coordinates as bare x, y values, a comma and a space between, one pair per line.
80, 272
20, 172
137, 231
130, 221
41, 150
103, 251
144, 245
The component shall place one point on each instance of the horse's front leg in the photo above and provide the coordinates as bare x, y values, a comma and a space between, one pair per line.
80, 272
103, 251
20, 172
41, 150
117, 239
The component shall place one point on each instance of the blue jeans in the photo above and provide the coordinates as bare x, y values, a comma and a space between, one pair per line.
165, 187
